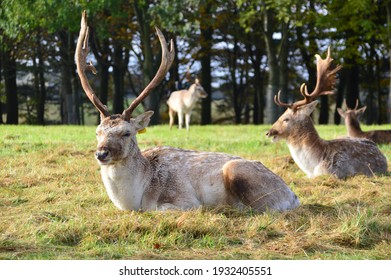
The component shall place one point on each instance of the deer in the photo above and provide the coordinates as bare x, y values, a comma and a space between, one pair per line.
343, 157
182, 102
352, 122
167, 178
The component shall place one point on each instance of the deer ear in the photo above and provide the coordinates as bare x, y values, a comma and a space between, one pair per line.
308, 108
142, 121
341, 112
361, 111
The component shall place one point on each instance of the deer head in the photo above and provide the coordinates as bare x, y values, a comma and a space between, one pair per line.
294, 119
116, 133
352, 113
199, 90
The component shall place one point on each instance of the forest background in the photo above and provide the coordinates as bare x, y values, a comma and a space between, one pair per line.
243, 52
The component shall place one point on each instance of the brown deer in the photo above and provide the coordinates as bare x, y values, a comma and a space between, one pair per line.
352, 121
162, 178
340, 157
182, 102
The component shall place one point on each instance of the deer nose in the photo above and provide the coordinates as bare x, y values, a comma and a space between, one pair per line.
271, 132
102, 155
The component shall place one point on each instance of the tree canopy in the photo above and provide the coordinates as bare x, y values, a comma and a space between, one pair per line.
243, 52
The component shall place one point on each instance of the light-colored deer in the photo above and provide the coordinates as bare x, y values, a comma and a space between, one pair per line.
162, 178
352, 121
340, 157
182, 102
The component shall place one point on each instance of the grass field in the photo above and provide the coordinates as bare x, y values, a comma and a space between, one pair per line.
53, 204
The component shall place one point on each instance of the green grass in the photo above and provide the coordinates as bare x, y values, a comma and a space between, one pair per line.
53, 204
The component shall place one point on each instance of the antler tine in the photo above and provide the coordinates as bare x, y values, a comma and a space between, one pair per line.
325, 81
82, 66
356, 107
188, 75
167, 59
306, 100
277, 100
345, 104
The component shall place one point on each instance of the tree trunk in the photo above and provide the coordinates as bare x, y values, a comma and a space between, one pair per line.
42, 88
69, 106
101, 51
273, 86
118, 79
283, 68
371, 111
206, 58
258, 104
36, 90
352, 82
1, 68
235, 90
11, 92
174, 70
389, 55
152, 101
340, 95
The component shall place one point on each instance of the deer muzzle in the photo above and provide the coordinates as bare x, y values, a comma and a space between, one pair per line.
272, 133
102, 156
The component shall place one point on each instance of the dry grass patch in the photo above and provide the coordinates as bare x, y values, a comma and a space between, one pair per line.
53, 204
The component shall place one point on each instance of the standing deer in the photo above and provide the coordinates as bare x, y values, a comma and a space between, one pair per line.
340, 157
183, 102
352, 121
162, 178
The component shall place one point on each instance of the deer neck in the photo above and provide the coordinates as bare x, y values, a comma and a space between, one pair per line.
306, 146
190, 97
126, 180
353, 127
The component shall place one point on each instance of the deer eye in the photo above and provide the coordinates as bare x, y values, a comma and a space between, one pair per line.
286, 120
126, 134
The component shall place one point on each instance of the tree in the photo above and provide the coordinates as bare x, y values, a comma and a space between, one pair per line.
275, 31
9, 60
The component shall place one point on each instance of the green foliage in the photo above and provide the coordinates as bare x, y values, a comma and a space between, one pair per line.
53, 204
175, 16
353, 27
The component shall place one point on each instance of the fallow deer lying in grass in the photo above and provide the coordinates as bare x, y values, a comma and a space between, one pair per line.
183, 102
162, 178
340, 157
352, 121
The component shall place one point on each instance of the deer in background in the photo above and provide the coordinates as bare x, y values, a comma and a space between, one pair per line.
352, 121
163, 178
340, 157
182, 102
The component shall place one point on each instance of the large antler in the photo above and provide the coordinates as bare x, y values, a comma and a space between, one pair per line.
82, 66
167, 59
325, 82
81, 56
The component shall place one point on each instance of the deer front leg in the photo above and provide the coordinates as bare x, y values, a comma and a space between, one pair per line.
180, 119
187, 119
171, 113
